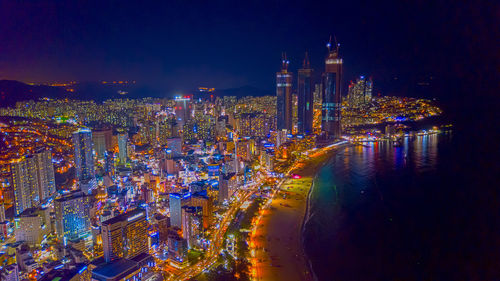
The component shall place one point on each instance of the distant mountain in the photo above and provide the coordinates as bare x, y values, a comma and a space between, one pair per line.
15, 91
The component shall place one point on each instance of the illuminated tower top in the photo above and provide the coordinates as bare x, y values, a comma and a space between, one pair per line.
284, 63
333, 55
306, 64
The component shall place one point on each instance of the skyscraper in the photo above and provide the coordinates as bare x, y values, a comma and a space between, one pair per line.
84, 160
360, 92
305, 98
284, 96
175, 210
24, 183
125, 236
332, 80
122, 147
72, 216
45, 173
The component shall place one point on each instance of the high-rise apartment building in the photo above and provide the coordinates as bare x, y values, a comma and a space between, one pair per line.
125, 236
32, 179
24, 185
284, 97
84, 159
331, 100
45, 173
305, 98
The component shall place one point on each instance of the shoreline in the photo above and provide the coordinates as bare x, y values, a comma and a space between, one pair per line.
279, 248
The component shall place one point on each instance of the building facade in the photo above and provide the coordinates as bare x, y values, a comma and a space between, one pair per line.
305, 98
331, 100
284, 97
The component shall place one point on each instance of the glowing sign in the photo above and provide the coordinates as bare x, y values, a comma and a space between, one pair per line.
135, 217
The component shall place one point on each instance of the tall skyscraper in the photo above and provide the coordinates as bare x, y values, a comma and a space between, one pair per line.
175, 210
45, 173
305, 98
284, 97
360, 92
122, 147
125, 236
25, 184
332, 80
72, 216
102, 139
84, 160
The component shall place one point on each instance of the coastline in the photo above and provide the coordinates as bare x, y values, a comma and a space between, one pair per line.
278, 239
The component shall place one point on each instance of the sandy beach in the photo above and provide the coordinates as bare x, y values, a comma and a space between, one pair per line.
277, 241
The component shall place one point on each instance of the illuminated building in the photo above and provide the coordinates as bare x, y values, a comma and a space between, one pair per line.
25, 184
305, 98
137, 268
177, 250
80, 272
284, 97
122, 147
182, 110
191, 225
32, 225
331, 100
102, 141
10, 273
206, 203
175, 146
125, 236
360, 92
175, 210
32, 179
72, 216
84, 160
45, 173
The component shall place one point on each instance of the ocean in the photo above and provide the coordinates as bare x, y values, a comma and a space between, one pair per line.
426, 210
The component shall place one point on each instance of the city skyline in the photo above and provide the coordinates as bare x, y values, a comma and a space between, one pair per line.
384, 44
243, 141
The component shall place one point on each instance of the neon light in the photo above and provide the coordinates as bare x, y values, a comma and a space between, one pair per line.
135, 217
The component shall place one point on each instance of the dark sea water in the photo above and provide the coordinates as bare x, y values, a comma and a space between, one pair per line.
427, 210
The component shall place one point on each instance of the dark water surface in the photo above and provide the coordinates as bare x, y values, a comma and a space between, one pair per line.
423, 211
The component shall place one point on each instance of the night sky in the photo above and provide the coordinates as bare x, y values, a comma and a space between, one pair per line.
179, 45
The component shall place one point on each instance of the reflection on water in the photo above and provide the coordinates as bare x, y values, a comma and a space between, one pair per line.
368, 210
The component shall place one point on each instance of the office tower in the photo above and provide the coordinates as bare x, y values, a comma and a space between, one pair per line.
305, 98
182, 111
177, 250
84, 160
45, 173
24, 183
284, 97
175, 210
72, 216
122, 147
331, 100
125, 236
102, 139
360, 92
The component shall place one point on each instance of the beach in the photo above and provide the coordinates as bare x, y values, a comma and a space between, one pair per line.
277, 242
